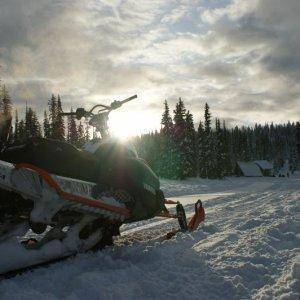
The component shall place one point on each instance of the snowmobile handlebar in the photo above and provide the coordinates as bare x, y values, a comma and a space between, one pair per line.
114, 105
81, 112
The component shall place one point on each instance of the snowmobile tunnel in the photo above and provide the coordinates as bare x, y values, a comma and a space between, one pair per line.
71, 197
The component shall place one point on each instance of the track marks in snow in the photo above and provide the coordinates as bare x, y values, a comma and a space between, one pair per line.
264, 243
247, 249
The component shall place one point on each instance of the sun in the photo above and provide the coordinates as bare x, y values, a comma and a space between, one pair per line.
124, 125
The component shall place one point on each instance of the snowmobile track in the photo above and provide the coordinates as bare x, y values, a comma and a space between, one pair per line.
154, 233
32, 268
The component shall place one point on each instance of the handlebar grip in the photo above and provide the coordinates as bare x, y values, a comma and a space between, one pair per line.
129, 99
117, 104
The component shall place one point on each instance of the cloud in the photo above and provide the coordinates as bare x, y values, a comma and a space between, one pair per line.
242, 57
175, 15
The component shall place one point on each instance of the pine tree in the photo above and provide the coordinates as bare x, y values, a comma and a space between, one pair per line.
5, 116
37, 128
189, 147
207, 119
32, 125
72, 130
46, 126
178, 136
297, 139
22, 131
218, 157
207, 151
52, 105
6, 105
60, 121
87, 135
200, 150
226, 150
179, 119
166, 120
57, 126
166, 144
81, 140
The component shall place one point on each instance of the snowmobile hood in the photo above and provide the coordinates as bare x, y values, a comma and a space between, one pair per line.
111, 145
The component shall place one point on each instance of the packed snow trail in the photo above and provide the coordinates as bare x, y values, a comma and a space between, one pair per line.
248, 248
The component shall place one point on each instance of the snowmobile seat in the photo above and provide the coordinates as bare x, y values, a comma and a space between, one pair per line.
54, 156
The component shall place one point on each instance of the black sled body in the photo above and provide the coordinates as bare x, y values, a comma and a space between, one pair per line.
112, 166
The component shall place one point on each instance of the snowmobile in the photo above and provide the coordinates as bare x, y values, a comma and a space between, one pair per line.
57, 200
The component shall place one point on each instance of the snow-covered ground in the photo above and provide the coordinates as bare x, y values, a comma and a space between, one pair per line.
249, 247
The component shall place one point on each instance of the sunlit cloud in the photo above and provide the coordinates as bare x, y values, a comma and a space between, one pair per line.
242, 57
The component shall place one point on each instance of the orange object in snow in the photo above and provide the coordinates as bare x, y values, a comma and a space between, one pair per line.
198, 217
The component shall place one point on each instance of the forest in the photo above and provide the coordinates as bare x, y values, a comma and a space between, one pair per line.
178, 150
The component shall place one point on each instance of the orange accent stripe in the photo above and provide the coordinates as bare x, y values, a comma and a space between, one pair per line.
167, 215
68, 196
197, 218
170, 201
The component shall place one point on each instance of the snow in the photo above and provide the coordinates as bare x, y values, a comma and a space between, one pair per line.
249, 168
264, 164
248, 248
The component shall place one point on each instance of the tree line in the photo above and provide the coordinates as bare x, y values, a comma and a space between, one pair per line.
179, 150
53, 125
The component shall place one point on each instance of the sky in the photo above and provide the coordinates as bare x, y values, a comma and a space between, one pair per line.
241, 57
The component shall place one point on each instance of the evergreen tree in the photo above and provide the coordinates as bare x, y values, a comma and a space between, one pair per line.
166, 144
5, 116
178, 136
179, 119
22, 131
207, 119
72, 130
87, 134
32, 125
166, 120
217, 164
60, 121
6, 105
46, 126
207, 151
81, 139
200, 150
189, 148
226, 150
52, 105
57, 126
